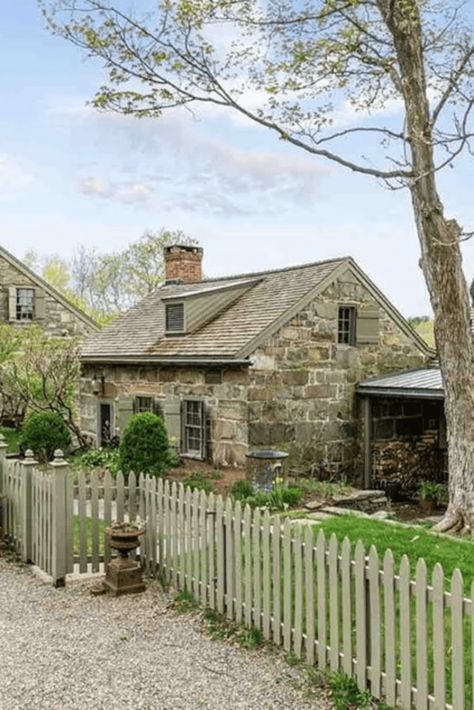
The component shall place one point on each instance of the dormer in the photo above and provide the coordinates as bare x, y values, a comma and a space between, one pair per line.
189, 310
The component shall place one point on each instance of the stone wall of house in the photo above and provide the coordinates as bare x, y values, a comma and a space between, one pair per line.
302, 383
223, 390
58, 320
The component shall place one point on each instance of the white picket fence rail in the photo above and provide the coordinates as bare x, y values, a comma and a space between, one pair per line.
406, 640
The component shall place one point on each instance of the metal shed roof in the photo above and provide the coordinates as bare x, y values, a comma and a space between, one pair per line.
424, 382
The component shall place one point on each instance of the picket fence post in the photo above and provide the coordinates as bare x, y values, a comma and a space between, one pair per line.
60, 471
3, 464
27, 466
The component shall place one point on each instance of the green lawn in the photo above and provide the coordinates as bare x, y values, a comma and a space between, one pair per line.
76, 535
415, 542
11, 437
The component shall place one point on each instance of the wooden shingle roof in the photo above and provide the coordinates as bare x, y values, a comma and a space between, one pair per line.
140, 333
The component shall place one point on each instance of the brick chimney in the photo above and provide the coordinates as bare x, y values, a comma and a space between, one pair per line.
183, 264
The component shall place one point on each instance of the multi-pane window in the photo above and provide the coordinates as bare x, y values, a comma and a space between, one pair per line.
174, 317
143, 404
193, 427
25, 304
346, 325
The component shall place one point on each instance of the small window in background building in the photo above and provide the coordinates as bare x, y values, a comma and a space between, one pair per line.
25, 304
144, 404
193, 423
346, 325
175, 318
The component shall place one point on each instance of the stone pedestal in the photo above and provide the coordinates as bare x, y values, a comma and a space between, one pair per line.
124, 576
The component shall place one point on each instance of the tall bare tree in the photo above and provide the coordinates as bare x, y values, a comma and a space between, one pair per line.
304, 59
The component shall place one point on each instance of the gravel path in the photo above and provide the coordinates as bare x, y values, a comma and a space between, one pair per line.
65, 649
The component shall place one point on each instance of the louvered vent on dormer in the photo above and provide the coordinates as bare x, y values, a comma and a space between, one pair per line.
175, 318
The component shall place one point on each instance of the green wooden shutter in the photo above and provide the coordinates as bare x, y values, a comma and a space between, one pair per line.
204, 424
12, 303
367, 326
158, 406
172, 417
40, 304
125, 409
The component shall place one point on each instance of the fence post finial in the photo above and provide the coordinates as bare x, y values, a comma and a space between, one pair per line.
58, 456
29, 455
3, 443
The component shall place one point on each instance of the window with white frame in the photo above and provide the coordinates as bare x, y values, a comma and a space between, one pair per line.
193, 426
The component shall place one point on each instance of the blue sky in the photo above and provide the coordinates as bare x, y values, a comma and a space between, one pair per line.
70, 176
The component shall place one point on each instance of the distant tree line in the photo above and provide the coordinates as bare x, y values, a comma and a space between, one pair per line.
107, 284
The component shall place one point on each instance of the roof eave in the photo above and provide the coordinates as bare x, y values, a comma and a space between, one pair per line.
404, 392
170, 361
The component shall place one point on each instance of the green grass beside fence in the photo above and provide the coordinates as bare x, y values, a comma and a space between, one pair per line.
76, 531
413, 541
416, 542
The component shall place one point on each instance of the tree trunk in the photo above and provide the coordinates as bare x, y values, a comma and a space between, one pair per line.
441, 263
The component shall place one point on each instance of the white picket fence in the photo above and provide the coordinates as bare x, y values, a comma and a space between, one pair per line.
406, 640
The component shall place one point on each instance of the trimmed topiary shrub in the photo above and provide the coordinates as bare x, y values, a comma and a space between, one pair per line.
144, 445
43, 433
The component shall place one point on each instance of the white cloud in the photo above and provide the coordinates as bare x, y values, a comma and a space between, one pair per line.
201, 170
122, 191
96, 187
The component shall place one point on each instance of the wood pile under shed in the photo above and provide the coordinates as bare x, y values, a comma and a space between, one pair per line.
409, 462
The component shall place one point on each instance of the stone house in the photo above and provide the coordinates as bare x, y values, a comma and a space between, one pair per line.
26, 299
254, 360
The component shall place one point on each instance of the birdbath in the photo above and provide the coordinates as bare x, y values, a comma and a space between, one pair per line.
124, 575
265, 467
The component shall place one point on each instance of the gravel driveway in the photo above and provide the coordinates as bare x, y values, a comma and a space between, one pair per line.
65, 649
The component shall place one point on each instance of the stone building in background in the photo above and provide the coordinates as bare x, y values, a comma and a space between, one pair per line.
254, 360
26, 299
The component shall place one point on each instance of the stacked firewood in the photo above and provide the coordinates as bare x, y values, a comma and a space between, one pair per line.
409, 462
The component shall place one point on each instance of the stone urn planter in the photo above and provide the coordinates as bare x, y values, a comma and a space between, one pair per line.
124, 575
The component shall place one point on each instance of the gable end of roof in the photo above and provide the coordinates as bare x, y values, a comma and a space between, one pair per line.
45, 286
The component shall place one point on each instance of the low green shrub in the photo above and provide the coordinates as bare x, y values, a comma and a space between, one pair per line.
144, 446
43, 433
280, 498
345, 692
242, 490
430, 490
105, 458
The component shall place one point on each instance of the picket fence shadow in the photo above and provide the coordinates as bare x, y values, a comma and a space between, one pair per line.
406, 640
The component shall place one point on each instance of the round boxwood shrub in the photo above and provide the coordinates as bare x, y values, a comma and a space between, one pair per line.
43, 433
144, 445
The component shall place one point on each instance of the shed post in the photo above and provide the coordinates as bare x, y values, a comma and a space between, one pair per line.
367, 444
